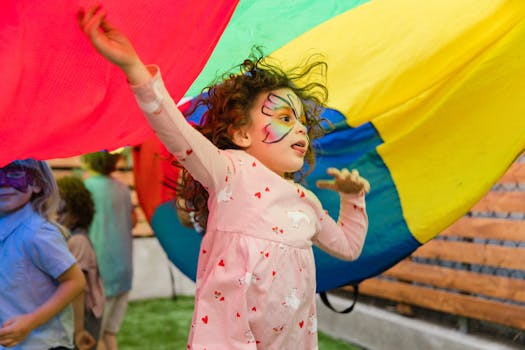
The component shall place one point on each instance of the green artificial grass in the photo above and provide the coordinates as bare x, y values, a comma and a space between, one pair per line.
164, 323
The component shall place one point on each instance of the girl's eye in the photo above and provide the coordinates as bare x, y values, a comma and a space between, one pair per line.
286, 119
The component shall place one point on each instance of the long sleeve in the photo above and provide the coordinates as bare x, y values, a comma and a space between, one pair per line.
205, 162
345, 238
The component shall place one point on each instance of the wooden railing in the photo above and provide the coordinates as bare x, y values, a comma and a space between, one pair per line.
475, 268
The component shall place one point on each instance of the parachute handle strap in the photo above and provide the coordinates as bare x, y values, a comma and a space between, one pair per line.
324, 298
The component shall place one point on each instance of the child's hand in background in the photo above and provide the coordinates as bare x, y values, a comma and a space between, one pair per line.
344, 181
84, 340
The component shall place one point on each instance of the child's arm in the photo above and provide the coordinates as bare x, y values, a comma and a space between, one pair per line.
345, 238
83, 339
16, 329
191, 148
78, 246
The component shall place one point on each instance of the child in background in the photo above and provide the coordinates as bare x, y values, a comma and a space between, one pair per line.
76, 212
39, 277
110, 233
256, 272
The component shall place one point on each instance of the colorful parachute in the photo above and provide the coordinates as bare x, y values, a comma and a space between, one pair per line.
60, 98
427, 97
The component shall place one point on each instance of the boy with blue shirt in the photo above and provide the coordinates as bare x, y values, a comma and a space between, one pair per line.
39, 277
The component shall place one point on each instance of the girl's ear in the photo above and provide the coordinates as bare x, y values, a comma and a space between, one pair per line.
241, 137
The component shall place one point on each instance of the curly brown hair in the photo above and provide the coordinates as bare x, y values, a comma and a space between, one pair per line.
77, 207
228, 104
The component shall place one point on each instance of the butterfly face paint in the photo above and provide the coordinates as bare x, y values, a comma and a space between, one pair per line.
284, 112
16, 176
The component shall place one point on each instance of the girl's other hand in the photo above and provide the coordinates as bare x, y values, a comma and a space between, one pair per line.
344, 181
111, 43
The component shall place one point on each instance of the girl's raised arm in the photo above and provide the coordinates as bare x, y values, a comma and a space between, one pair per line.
112, 43
202, 159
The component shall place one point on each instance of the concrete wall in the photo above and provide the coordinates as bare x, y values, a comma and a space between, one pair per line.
154, 276
377, 329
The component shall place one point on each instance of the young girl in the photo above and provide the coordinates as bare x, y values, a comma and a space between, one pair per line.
256, 272
39, 276
76, 212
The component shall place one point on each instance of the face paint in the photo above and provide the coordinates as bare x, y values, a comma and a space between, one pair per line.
284, 113
16, 176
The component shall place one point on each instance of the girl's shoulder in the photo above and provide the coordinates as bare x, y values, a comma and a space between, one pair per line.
311, 196
80, 246
79, 237
241, 158
235, 153
237, 157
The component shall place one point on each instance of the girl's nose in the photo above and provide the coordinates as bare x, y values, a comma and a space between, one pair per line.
300, 128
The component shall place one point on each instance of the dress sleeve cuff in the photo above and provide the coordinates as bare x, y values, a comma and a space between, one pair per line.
149, 93
354, 198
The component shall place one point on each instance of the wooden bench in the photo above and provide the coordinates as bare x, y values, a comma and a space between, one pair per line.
475, 268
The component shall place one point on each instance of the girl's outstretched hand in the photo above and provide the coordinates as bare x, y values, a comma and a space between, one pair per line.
111, 43
344, 181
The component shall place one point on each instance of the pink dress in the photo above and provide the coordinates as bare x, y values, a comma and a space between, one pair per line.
256, 272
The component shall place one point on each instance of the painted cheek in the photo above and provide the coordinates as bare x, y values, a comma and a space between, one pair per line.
276, 131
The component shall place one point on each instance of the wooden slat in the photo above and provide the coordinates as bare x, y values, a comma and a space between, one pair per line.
59, 173
142, 229
457, 304
515, 174
501, 202
73, 162
473, 253
125, 177
466, 281
62, 168
487, 228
